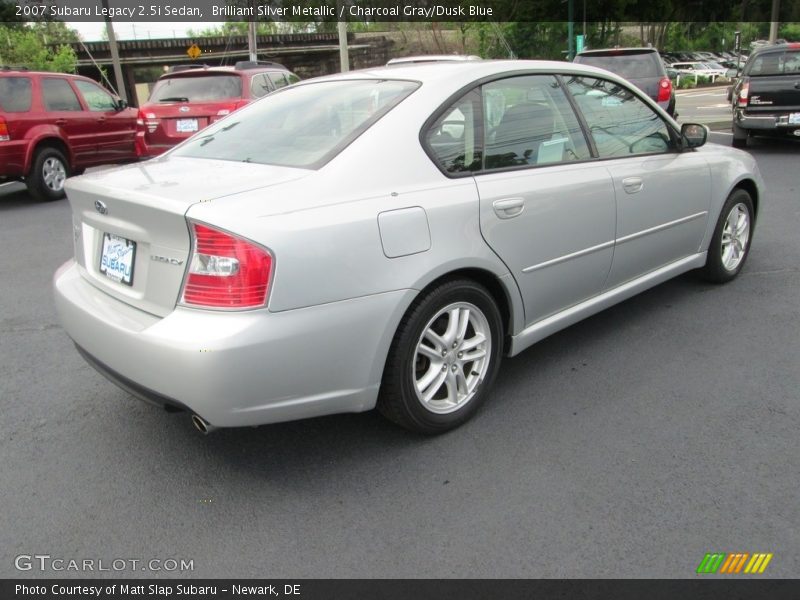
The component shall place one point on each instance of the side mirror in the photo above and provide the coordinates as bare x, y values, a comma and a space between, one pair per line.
693, 135
122, 104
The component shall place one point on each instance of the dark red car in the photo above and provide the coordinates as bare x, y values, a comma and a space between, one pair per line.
54, 125
190, 97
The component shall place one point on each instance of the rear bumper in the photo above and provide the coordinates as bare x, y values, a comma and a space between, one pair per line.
236, 369
778, 121
145, 150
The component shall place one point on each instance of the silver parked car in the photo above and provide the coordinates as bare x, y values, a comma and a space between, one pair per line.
383, 237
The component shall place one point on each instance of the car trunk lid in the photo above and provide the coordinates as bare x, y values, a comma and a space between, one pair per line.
134, 218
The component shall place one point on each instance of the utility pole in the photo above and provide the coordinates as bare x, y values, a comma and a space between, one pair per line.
773, 26
112, 45
251, 33
571, 29
251, 40
341, 26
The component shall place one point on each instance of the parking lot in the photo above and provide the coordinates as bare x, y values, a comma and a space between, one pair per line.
628, 445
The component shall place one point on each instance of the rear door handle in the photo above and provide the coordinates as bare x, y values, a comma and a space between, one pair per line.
508, 208
797, 85
101, 119
632, 184
61, 121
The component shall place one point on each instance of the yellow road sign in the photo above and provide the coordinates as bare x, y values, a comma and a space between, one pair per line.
194, 51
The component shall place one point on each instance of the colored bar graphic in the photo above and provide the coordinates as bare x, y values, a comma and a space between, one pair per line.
733, 562
710, 563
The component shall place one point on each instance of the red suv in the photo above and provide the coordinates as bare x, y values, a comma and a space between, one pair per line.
54, 125
190, 97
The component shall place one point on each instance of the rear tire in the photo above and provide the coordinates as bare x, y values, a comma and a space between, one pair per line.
733, 234
739, 137
443, 359
49, 171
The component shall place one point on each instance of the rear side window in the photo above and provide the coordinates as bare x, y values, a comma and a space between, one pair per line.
452, 141
59, 96
292, 78
15, 94
199, 88
774, 63
303, 126
277, 79
529, 121
630, 66
259, 86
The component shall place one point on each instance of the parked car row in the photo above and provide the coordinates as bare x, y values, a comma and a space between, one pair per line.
55, 125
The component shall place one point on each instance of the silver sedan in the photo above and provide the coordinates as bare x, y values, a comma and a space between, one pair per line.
382, 238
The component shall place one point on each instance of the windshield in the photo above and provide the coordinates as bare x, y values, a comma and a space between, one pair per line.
200, 88
302, 126
629, 66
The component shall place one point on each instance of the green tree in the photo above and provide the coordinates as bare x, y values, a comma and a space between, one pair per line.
25, 46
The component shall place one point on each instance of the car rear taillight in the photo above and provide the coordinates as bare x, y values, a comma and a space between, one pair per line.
741, 100
664, 89
225, 271
4, 137
147, 120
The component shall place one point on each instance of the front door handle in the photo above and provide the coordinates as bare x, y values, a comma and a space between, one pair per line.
508, 208
101, 119
633, 184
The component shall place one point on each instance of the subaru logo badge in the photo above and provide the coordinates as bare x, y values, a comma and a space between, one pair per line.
184, 109
100, 207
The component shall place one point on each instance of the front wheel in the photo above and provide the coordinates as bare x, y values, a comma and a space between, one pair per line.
443, 359
46, 179
731, 242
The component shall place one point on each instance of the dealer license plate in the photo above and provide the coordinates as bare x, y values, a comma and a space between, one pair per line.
794, 118
186, 125
117, 258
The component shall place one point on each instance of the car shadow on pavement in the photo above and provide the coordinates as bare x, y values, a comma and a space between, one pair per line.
338, 439
14, 195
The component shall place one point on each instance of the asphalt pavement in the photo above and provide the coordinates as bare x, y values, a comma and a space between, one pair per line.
708, 106
628, 445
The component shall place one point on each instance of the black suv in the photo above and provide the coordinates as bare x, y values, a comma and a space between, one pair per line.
643, 67
766, 97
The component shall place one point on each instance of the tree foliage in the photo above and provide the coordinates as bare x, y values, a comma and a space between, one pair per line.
26, 46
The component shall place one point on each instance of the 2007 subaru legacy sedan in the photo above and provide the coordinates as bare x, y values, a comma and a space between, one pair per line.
383, 237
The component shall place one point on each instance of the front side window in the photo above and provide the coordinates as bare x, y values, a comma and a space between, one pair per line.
452, 139
59, 96
15, 94
96, 98
620, 123
529, 121
304, 126
207, 87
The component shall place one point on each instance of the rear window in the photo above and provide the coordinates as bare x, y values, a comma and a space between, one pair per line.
15, 94
303, 126
200, 88
630, 66
774, 63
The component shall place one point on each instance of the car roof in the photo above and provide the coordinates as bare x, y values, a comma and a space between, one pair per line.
243, 68
4, 70
776, 48
456, 74
612, 51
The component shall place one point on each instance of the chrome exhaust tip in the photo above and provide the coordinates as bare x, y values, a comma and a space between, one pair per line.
202, 425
